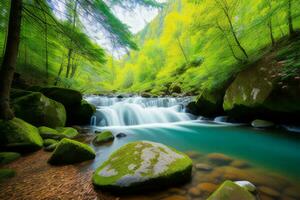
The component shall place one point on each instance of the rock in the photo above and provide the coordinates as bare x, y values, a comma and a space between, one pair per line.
37, 109
247, 185
68, 97
81, 114
203, 167
207, 187
269, 191
70, 151
49, 133
258, 123
256, 93
174, 88
219, 159
8, 157
15, 93
292, 191
48, 142
68, 132
194, 191
240, 164
143, 165
231, 191
6, 173
18, 135
51, 147
103, 137
175, 197
146, 95
120, 135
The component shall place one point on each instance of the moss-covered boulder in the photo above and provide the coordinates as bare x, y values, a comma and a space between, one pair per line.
58, 133
6, 173
231, 191
143, 165
67, 132
51, 147
70, 151
263, 90
258, 123
68, 97
48, 142
103, 137
39, 110
18, 135
8, 157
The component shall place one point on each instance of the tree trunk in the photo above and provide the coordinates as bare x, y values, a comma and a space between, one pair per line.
59, 72
290, 18
69, 63
271, 32
46, 46
8, 66
182, 50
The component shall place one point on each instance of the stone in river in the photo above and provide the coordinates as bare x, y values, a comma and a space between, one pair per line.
207, 187
240, 164
143, 165
258, 123
219, 159
269, 191
247, 185
203, 167
175, 197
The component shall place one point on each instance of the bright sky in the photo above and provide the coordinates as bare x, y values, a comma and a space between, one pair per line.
136, 19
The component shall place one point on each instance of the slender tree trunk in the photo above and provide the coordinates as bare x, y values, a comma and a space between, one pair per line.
182, 50
10, 58
271, 32
46, 47
69, 62
235, 36
290, 18
59, 72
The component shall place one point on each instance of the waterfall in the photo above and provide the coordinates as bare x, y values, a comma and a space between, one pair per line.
113, 111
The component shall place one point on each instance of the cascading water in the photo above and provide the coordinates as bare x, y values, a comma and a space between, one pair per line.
113, 111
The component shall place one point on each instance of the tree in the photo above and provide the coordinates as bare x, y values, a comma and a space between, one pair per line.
8, 65
290, 18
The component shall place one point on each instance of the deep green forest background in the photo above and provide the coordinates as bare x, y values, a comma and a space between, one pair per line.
197, 45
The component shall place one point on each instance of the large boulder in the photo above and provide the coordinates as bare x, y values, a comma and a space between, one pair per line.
231, 191
79, 112
143, 165
263, 91
103, 137
39, 110
70, 151
58, 133
18, 135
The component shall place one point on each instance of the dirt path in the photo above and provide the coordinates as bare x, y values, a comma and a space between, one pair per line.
36, 179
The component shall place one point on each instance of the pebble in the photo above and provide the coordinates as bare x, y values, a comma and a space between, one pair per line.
175, 197
203, 167
194, 191
207, 187
240, 164
247, 185
219, 159
120, 135
269, 191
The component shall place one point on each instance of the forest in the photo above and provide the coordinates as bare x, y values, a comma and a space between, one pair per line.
150, 99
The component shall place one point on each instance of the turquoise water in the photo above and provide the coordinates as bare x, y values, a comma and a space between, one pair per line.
274, 151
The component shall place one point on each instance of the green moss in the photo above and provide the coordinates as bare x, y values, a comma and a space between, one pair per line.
51, 147
231, 191
8, 157
142, 165
39, 110
70, 151
103, 137
6, 173
48, 142
18, 135
68, 132
50, 133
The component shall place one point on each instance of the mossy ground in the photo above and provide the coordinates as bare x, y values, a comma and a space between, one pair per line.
142, 165
70, 151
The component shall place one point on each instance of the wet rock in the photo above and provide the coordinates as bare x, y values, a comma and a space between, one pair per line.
229, 191
175, 197
8, 157
247, 185
240, 164
193, 154
51, 147
203, 167
207, 187
48, 142
70, 151
292, 191
269, 191
194, 191
143, 165
68, 132
18, 135
81, 114
219, 159
258, 123
177, 191
50, 133
121, 135
103, 137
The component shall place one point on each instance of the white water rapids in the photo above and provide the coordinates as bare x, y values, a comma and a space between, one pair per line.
113, 111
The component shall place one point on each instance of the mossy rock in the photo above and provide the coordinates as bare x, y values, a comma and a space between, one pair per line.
67, 132
37, 109
258, 123
68, 97
81, 115
231, 191
48, 142
51, 147
142, 165
49, 133
15, 93
8, 157
103, 137
70, 151
18, 135
6, 173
